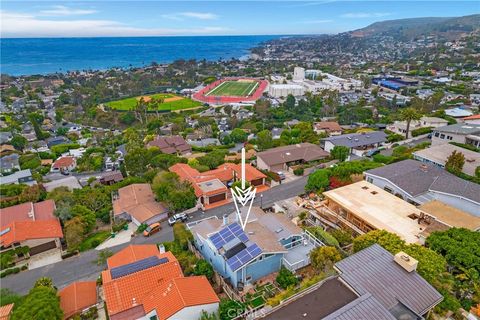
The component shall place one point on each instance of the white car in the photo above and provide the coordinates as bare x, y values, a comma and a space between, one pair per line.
179, 217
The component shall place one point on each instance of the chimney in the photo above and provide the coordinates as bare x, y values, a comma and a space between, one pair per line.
161, 248
134, 302
225, 219
405, 261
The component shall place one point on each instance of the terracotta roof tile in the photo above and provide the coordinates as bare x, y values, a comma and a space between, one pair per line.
64, 162
134, 253
77, 297
19, 231
137, 200
178, 294
5, 311
43, 210
126, 292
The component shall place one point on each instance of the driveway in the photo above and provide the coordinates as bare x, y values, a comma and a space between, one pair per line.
84, 267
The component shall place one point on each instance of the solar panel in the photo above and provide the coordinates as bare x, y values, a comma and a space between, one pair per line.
243, 257
136, 266
227, 234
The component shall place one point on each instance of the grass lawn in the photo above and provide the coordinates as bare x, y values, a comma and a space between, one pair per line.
234, 88
172, 102
93, 240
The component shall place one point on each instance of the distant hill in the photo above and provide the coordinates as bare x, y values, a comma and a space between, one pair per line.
407, 29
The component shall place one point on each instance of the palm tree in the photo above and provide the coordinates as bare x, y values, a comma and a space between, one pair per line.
409, 114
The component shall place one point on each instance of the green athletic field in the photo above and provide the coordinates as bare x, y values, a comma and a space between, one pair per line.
234, 89
171, 102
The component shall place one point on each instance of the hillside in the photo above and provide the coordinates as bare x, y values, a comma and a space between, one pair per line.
407, 29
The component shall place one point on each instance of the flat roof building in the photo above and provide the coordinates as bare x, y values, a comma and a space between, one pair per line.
278, 159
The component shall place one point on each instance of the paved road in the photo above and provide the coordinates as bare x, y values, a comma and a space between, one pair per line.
83, 266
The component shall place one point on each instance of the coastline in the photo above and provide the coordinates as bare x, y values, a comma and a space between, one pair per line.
48, 56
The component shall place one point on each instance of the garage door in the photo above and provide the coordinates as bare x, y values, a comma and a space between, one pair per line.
216, 198
42, 248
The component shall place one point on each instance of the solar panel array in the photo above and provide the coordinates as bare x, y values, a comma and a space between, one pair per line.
136, 266
243, 257
227, 234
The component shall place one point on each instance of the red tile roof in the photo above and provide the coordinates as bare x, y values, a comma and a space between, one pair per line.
43, 210
474, 117
64, 162
5, 311
19, 231
28, 221
139, 201
77, 297
179, 293
134, 253
225, 172
128, 291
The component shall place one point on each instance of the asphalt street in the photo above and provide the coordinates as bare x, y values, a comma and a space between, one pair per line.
84, 267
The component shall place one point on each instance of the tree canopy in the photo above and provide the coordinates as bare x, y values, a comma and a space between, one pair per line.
41, 303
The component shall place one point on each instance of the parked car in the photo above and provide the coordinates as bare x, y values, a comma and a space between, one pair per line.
151, 229
179, 217
281, 175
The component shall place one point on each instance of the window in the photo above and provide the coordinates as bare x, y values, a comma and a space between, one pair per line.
248, 278
388, 189
442, 136
370, 180
449, 137
437, 134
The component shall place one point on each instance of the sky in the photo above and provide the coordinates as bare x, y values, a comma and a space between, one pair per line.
24, 19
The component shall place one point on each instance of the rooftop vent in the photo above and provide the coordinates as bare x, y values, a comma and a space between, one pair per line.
405, 261
349, 138
279, 230
287, 153
374, 192
365, 188
356, 139
423, 167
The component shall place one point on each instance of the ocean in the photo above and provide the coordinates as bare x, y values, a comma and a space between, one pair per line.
50, 55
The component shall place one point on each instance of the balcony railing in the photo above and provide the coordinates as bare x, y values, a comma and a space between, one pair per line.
327, 211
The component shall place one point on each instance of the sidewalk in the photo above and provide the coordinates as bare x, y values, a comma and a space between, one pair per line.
121, 237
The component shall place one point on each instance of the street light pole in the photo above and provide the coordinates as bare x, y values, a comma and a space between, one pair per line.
261, 201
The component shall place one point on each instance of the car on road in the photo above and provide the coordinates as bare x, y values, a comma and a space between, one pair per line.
179, 217
151, 229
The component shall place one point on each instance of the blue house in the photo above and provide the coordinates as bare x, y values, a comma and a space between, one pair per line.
242, 257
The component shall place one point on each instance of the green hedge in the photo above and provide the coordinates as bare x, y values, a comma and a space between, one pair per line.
9, 271
420, 131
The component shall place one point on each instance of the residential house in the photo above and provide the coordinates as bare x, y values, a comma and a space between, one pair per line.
400, 127
77, 298
22, 176
111, 177
439, 154
54, 141
64, 164
475, 119
5, 137
143, 283
136, 203
358, 143
360, 207
418, 183
30, 224
331, 128
212, 187
458, 112
243, 256
360, 292
9, 163
281, 158
171, 145
6, 148
459, 132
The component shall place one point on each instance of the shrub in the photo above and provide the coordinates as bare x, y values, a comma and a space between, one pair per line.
420, 131
323, 236
9, 271
343, 237
298, 171
286, 278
